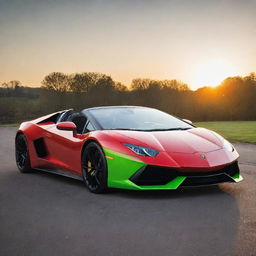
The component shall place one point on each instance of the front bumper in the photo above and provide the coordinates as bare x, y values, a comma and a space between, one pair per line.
127, 172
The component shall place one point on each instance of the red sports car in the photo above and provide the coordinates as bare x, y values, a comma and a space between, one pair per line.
126, 147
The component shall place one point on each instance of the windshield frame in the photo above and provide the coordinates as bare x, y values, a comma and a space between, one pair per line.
89, 113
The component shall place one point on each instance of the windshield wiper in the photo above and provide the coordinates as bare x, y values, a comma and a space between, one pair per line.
169, 129
125, 129
150, 130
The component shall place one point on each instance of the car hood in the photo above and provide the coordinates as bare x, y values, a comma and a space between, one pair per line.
187, 141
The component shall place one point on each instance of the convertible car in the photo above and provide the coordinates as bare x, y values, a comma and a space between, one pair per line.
125, 147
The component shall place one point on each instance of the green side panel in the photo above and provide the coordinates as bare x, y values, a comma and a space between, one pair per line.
121, 167
237, 177
174, 184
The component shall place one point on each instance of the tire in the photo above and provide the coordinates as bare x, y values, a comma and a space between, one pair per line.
94, 168
22, 154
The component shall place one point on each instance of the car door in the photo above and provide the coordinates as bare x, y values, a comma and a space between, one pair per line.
65, 149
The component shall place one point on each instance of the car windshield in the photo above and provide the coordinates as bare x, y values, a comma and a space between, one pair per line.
137, 118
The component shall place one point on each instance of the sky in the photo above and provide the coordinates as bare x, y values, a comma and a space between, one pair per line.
199, 42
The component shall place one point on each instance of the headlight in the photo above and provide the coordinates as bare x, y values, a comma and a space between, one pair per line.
142, 151
228, 146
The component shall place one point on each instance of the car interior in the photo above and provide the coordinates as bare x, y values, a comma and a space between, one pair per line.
77, 118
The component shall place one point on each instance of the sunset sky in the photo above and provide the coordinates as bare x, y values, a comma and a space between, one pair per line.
199, 42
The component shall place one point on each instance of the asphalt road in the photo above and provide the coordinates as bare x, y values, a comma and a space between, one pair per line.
45, 214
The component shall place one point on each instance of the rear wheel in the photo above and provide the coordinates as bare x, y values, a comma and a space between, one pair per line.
22, 154
94, 168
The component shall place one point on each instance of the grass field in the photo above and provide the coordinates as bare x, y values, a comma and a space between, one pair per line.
9, 125
235, 131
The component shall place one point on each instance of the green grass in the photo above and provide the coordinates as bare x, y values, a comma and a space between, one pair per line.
9, 125
235, 131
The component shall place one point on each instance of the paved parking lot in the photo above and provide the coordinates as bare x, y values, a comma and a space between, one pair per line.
45, 214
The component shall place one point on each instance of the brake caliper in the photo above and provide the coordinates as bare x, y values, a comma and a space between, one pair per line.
89, 168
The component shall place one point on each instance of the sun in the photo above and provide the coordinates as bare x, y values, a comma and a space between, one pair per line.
212, 72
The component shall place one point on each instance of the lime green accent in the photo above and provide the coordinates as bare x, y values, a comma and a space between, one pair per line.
237, 177
127, 184
174, 184
122, 167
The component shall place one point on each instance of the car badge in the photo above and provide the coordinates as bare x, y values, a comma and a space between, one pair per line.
203, 156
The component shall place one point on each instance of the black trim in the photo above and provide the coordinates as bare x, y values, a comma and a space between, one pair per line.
40, 147
64, 115
61, 173
206, 180
92, 119
159, 175
154, 175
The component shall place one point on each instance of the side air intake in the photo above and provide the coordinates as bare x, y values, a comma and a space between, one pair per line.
40, 147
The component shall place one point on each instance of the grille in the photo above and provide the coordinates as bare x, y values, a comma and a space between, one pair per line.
157, 175
231, 169
206, 180
154, 175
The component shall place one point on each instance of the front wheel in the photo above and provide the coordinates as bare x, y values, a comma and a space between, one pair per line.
22, 154
94, 168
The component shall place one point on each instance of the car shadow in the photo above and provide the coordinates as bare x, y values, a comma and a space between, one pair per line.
162, 194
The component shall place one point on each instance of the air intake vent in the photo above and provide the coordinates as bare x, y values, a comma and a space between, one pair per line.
40, 147
154, 175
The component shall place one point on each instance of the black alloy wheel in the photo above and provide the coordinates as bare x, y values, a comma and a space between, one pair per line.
22, 154
94, 168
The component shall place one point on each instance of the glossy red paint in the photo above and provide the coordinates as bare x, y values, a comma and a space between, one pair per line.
182, 149
191, 150
66, 126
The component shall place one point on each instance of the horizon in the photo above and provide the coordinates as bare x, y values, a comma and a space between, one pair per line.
129, 85
199, 43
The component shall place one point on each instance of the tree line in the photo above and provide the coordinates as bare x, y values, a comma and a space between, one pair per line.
233, 99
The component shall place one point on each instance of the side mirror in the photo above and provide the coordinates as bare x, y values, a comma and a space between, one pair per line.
67, 126
187, 121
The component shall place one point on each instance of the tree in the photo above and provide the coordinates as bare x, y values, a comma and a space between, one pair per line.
12, 84
56, 81
84, 82
120, 87
175, 85
81, 82
140, 84
105, 82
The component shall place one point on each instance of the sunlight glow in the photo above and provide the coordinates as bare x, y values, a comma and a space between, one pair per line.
213, 72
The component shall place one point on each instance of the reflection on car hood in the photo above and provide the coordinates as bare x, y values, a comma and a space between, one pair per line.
188, 141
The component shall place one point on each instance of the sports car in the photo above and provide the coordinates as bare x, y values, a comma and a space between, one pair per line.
125, 147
